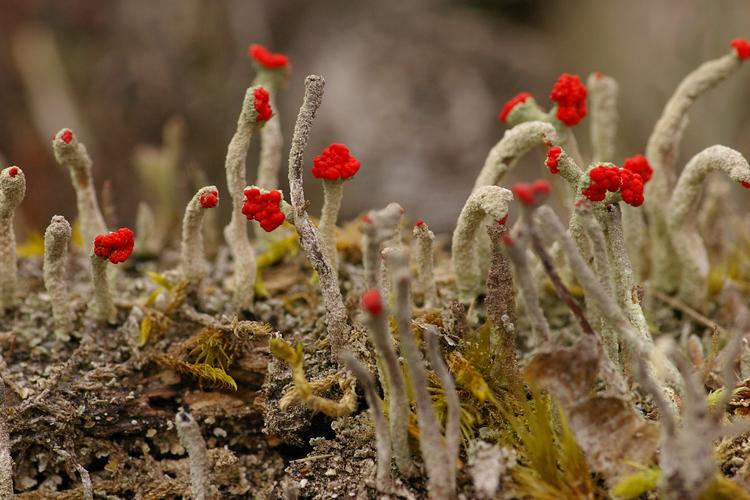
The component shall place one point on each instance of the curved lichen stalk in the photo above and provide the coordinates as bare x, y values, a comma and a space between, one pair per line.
690, 252
515, 143
56, 241
12, 192
662, 150
486, 201
73, 155
236, 232
192, 260
310, 241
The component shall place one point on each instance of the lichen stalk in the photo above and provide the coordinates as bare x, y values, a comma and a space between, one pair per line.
189, 433
501, 311
394, 385
437, 461
104, 307
610, 218
271, 147
690, 251
515, 248
115, 247
486, 201
424, 239
662, 150
603, 92
515, 143
271, 138
609, 309
6, 460
378, 227
12, 192
336, 315
235, 233
453, 417
192, 252
602, 267
56, 241
382, 434
73, 155
333, 191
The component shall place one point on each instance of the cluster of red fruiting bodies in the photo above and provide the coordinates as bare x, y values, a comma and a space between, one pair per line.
334, 163
266, 58
628, 180
263, 111
209, 200
568, 93
264, 208
115, 246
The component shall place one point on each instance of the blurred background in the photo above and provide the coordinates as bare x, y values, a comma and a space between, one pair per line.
412, 86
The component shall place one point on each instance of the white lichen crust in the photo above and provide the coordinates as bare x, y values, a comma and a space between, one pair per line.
56, 241
73, 156
484, 202
192, 253
662, 150
191, 439
515, 143
235, 233
12, 192
681, 217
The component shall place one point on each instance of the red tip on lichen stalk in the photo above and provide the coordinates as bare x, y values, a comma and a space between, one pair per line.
745, 184
266, 58
570, 95
262, 107
553, 154
638, 164
13, 171
264, 208
419, 223
503, 220
335, 162
209, 200
510, 104
372, 303
506, 239
742, 48
115, 246
532, 194
67, 136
